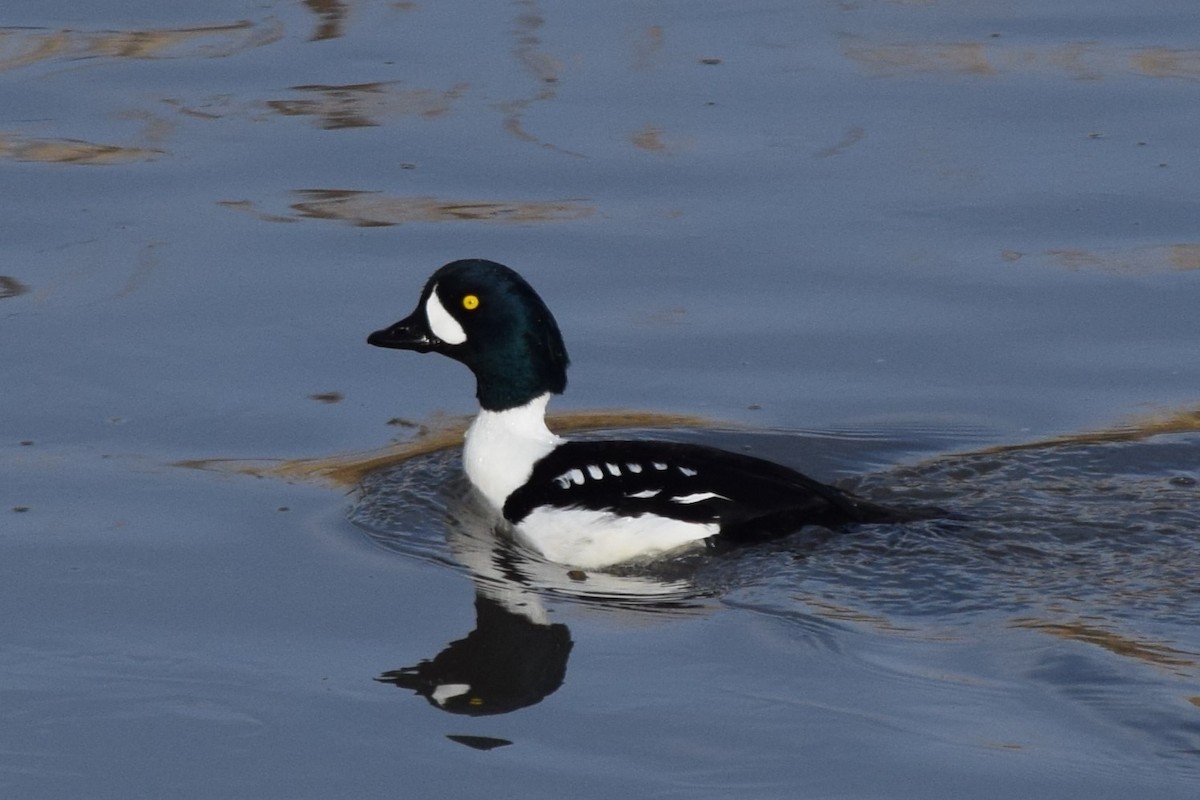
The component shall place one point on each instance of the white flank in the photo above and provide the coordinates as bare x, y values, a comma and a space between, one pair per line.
594, 539
595, 472
444, 326
502, 447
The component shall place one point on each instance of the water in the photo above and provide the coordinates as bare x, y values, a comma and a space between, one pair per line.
1021, 625
937, 253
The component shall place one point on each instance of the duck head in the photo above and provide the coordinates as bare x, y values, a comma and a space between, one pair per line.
486, 316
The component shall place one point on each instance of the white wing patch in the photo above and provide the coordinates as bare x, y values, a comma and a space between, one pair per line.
567, 478
444, 326
645, 493
596, 473
448, 691
698, 497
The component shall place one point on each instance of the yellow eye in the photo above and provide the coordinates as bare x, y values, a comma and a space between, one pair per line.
470, 302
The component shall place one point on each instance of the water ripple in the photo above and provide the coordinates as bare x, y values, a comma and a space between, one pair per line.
1095, 541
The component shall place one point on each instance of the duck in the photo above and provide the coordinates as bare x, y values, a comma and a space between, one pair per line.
594, 503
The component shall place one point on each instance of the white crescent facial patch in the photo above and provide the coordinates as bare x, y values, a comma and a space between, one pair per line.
444, 326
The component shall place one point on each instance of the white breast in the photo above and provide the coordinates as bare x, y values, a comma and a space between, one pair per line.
502, 447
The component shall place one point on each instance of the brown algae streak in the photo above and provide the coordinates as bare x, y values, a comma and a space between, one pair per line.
364, 105
1082, 61
72, 151
348, 469
371, 209
1158, 654
22, 47
1179, 257
367, 209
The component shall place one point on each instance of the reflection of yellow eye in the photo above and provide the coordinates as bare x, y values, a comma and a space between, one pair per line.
470, 302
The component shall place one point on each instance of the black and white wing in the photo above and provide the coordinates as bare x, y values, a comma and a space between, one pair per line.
745, 496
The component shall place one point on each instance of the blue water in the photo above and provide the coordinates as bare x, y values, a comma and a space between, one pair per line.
937, 253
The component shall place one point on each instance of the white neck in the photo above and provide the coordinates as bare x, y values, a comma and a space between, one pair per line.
502, 447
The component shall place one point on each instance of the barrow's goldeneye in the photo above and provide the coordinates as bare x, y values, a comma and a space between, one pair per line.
593, 503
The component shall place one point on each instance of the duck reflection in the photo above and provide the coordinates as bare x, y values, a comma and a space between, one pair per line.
516, 656
509, 661
331, 16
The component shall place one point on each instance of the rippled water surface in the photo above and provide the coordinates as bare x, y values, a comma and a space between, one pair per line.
1053, 614
941, 253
